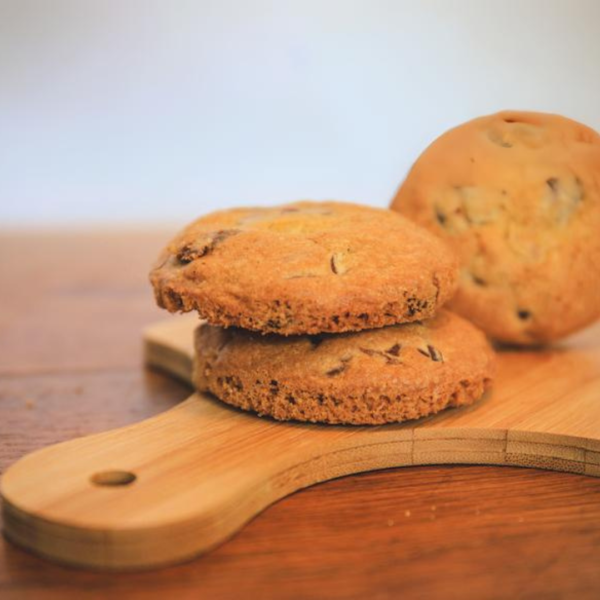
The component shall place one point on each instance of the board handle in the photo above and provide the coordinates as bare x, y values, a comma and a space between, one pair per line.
172, 487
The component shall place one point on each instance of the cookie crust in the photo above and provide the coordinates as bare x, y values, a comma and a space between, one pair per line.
303, 268
386, 375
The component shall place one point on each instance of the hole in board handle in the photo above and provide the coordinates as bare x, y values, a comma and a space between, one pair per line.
113, 478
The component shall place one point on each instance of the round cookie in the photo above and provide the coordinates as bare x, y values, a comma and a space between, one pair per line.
306, 267
370, 377
517, 195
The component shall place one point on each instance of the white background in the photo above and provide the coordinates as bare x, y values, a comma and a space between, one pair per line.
143, 111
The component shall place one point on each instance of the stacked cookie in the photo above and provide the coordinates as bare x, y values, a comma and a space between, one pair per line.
323, 312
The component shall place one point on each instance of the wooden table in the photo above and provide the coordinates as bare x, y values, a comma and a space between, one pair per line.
71, 310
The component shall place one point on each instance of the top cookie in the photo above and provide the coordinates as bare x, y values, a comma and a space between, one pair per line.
307, 267
517, 195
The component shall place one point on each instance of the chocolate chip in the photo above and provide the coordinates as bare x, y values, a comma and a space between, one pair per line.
436, 284
497, 139
340, 368
188, 253
564, 195
415, 305
433, 353
524, 315
478, 281
194, 250
573, 192
234, 382
387, 354
394, 350
333, 265
290, 399
441, 217
174, 299
336, 263
336, 370
370, 352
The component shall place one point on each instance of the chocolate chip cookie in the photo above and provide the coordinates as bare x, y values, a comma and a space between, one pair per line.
517, 195
384, 375
304, 268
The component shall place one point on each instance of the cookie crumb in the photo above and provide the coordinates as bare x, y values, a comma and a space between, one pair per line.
407, 513
29, 404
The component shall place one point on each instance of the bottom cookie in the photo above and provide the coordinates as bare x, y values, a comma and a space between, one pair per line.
371, 377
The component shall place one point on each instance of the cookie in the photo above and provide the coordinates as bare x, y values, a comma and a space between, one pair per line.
517, 196
306, 267
385, 375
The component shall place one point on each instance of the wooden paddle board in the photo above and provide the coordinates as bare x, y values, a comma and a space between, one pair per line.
174, 486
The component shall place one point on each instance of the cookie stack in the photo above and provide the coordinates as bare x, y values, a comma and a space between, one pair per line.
323, 312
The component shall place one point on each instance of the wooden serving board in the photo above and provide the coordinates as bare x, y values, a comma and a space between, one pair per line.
176, 485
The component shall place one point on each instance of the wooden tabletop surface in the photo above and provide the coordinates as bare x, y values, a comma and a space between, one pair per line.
72, 307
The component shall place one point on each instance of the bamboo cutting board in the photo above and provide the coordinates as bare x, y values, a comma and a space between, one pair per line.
174, 486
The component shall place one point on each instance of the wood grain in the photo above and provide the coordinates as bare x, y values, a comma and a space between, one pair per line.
495, 532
